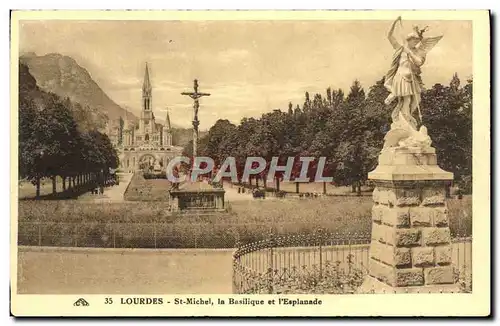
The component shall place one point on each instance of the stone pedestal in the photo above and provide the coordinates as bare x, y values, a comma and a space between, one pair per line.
197, 196
410, 249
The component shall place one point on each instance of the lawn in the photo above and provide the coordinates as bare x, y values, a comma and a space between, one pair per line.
27, 190
141, 189
150, 224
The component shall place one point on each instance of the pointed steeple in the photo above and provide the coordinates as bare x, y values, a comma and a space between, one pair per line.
146, 86
147, 95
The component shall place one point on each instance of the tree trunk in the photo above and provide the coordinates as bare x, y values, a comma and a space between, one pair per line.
277, 184
64, 183
359, 188
250, 181
264, 180
353, 186
324, 188
257, 182
296, 187
54, 188
37, 187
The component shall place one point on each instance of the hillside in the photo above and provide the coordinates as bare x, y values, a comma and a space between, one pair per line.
63, 76
182, 136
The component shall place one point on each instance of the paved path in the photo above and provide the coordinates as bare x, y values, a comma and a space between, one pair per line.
232, 194
116, 193
124, 271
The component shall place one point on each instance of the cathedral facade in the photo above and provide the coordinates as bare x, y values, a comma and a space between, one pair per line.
146, 143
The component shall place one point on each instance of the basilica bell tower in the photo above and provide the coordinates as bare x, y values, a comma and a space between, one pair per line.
147, 118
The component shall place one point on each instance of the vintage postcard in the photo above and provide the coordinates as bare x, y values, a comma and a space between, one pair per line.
250, 163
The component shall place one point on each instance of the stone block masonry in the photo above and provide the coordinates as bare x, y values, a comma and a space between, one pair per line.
411, 242
410, 249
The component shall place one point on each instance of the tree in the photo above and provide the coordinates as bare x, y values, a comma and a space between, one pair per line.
220, 141
51, 143
447, 112
348, 131
351, 150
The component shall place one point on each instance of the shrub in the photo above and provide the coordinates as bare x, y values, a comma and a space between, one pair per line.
332, 279
281, 194
465, 184
460, 216
258, 193
463, 278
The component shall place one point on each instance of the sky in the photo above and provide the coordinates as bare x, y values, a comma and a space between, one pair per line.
249, 67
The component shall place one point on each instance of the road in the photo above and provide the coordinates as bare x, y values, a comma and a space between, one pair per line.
124, 271
116, 193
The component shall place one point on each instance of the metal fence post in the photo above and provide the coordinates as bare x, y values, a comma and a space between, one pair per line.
154, 232
320, 238
236, 264
349, 256
39, 233
270, 267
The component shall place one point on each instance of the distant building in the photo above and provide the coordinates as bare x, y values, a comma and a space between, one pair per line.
147, 144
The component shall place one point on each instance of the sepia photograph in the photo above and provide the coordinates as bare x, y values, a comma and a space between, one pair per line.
299, 158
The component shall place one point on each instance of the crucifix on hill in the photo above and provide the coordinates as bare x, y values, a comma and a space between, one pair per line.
195, 96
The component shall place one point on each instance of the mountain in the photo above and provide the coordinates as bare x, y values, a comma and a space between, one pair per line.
63, 76
182, 136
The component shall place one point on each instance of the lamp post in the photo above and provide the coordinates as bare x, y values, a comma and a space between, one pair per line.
102, 181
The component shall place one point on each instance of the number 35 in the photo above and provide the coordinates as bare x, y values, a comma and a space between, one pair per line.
108, 301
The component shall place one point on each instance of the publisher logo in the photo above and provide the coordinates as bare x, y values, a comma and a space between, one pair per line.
81, 302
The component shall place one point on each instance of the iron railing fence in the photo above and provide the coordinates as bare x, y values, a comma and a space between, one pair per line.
320, 262
293, 259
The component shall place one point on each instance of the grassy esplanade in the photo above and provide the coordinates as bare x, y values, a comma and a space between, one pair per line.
150, 224
141, 189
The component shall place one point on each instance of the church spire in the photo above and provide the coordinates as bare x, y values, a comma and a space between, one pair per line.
146, 86
146, 91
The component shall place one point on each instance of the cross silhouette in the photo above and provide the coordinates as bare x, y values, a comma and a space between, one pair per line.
195, 96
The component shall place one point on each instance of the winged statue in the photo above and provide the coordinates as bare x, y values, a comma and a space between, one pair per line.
404, 82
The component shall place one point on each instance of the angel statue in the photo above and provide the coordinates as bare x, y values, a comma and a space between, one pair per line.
405, 85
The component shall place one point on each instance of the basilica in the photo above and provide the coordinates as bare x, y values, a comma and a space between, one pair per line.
146, 143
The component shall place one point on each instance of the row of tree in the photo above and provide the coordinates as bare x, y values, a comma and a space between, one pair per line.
52, 143
348, 130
